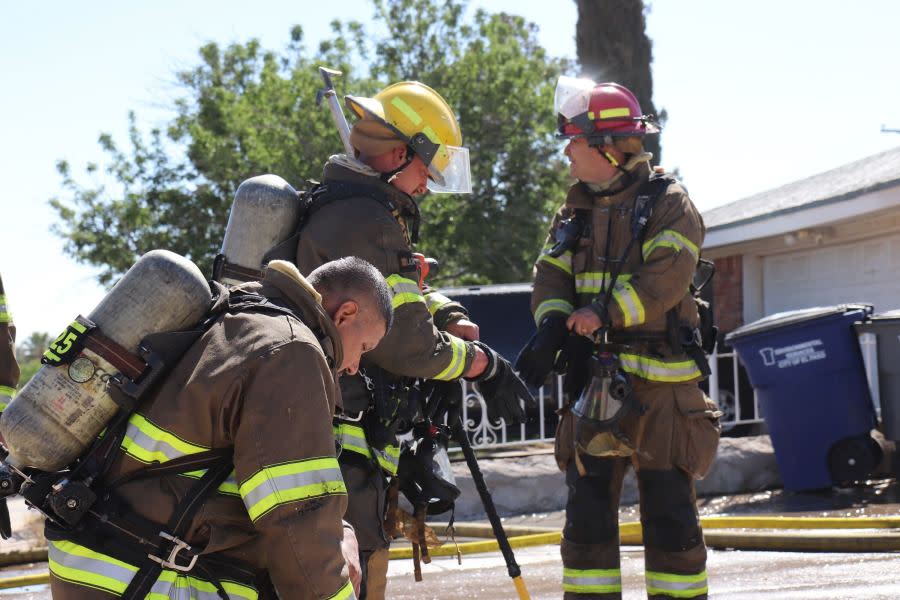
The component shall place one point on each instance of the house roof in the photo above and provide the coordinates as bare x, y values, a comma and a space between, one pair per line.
843, 183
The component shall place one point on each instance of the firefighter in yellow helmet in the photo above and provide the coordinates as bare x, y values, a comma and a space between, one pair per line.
611, 295
406, 141
9, 368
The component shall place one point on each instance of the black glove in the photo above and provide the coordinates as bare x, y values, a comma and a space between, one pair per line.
535, 360
575, 360
502, 389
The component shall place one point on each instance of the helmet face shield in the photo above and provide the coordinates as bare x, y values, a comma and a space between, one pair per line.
599, 111
572, 96
449, 171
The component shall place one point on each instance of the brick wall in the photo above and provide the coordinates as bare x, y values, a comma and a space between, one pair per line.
728, 293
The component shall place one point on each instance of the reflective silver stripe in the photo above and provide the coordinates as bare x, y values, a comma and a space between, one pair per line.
552, 305
5, 315
148, 443
562, 262
591, 282
659, 370
83, 566
389, 458
670, 239
352, 438
592, 581
284, 485
435, 301
404, 290
677, 586
295, 481
630, 304
457, 361
6, 395
80, 565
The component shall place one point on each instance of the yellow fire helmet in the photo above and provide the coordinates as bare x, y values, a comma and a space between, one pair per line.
423, 119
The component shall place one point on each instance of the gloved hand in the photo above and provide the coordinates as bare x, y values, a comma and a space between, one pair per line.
535, 360
502, 389
574, 361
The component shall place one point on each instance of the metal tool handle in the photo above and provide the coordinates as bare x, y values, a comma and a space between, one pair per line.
512, 567
334, 104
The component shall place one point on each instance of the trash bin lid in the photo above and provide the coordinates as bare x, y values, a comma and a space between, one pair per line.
877, 322
891, 314
793, 317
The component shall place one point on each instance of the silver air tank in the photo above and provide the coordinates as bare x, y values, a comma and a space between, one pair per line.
263, 214
60, 412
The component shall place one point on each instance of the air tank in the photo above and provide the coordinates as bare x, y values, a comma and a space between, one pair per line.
60, 412
264, 213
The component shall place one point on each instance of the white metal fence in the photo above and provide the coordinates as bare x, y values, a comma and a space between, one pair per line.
725, 383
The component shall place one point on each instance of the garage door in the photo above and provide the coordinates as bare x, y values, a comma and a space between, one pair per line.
866, 271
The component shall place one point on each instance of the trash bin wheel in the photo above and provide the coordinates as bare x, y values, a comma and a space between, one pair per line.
853, 459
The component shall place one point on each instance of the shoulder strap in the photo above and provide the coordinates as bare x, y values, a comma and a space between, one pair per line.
316, 198
645, 200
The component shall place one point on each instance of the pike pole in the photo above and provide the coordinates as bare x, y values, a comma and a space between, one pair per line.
334, 104
512, 567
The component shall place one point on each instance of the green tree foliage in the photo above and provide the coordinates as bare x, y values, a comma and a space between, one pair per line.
28, 355
246, 111
612, 45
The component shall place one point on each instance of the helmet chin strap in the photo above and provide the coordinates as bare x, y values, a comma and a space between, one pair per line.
615, 163
410, 156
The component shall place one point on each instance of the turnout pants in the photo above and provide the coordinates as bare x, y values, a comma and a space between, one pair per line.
366, 495
677, 436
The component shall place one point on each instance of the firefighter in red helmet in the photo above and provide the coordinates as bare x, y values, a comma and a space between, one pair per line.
613, 307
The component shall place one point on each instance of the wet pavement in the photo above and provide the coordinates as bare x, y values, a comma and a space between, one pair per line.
732, 574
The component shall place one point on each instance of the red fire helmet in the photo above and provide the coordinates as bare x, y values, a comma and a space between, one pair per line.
599, 111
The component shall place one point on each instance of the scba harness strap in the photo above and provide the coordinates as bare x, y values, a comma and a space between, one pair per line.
693, 341
152, 547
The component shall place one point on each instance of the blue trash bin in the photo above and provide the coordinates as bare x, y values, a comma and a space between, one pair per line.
808, 374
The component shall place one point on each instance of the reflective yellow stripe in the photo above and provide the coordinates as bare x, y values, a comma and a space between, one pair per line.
552, 305
345, 593
148, 443
5, 315
435, 301
457, 361
145, 442
592, 581
352, 438
670, 239
612, 113
629, 303
82, 566
654, 369
677, 586
404, 290
276, 485
407, 110
432, 135
591, 282
562, 262
389, 458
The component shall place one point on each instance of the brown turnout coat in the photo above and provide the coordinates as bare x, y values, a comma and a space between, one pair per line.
264, 385
9, 368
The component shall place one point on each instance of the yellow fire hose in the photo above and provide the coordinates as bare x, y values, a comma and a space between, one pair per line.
782, 539
822, 534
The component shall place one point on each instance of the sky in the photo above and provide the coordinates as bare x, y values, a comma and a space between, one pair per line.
758, 94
